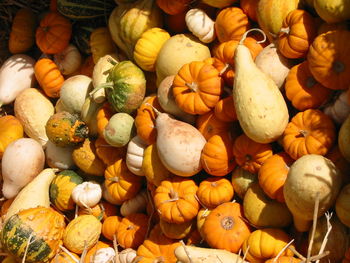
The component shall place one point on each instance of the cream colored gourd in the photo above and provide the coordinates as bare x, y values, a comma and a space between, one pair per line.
309, 176
179, 145
260, 107
200, 24
205, 255
38, 188
344, 139
59, 106
59, 157
69, 60
16, 75
134, 155
340, 109
88, 115
33, 109
104, 255
127, 255
134, 205
22, 161
87, 194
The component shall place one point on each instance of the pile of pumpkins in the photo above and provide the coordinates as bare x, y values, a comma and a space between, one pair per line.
189, 131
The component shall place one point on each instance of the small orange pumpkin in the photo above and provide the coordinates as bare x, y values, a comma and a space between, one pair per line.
101, 211
110, 226
102, 118
208, 125
173, 7
225, 109
107, 153
176, 231
250, 155
11, 129
309, 132
340, 162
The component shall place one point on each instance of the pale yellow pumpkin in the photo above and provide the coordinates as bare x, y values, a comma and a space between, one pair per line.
101, 43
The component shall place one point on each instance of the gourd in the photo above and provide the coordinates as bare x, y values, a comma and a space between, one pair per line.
101, 43
249, 7
219, 3
107, 153
134, 205
69, 60
64, 257
173, 7
209, 125
176, 231
89, 115
310, 177
87, 194
127, 255
89, 258
23, 160
21, 69
38, 187
332, 12
201, 25
11, 129
134, 155
344, 138
119, 130
340, 108
268, 117
104, 255
110, 226
242, 180
342, 205
59, 157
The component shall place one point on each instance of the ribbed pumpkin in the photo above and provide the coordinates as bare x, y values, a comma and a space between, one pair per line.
11, 129
64, 257
107, 153
284, 259
110, 226
329, 59
303, 90
101, 43
173, 7
297, 33
265, 244
217, 157
22, 35
224, 227
49, 77
230, 24
102, 117
208, 125
250, 155
41, 227
61, 189
214, 191
197, 87
175, 231
120, 182
90, 255
54, 33
148, 46
225, 109
273, 174
175, 200
309, 132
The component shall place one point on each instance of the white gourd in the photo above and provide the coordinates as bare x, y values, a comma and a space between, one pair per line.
127, 255
87, 194
59, 157
200, 24
69, 60
134, 155
340, 109
104, 255
134, 205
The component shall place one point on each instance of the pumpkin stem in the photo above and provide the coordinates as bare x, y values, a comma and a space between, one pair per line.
173, 196
193, 86
250, 30
113, 179
285, 30
227, 222
303, 133
310, 82
155, 110
338, 67
224, 69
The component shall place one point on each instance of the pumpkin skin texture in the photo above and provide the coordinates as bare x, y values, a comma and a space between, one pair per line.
49, 77
209, 125
22, 35
224, 228
110, 226
303, 90
53, 34
197, 87
175, 200
250, 155
107, 154
329, 59
43, 226
342, 205
249, 7
101, 43
102, 118
309, 132
11, 129
225, 109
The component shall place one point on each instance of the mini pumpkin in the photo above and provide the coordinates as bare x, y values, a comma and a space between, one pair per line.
11, 129
87, 194
208, 125
172, 7
102, 117
200, 24
225, 109
101, 211
101, 43
69, 60
110, 226
107, 153
176, 231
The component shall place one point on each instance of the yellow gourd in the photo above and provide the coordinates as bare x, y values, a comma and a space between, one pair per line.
11, 129
101, 43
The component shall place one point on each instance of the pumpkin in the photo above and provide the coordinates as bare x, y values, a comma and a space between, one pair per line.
148, 46
87, 194
65, 257
49, 77
176, 231
134, 155
101, 211
329, 59
273, 174
339, 108
265, 244
303, 90
224, 227
64, 129
201, 216
121, 184
200, 24
230, 24
53, 34
297, 33
332, 12
325, 27
347, 256
175, 200
225, 110
214, 191
208, 125
69, 60
61, 189
107, 153
145, 120
90, 255
134, 205
34, 232
101, 43
173, 7
249, 7
283, 259
309, 132
197, 87
110, 226
22, 35
250, 155
241, 181
132, 230
11, 129
342, 205
102, 118
87, 67
217, 156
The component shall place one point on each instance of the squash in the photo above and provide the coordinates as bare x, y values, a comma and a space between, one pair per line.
89, 115
342, 205
134, 205
173, 7
69, 60
11, 129
101, 211
64, 257
110, 226
22, 161
201, 25
101, 43
339, 109
241, 181
107, 153
332, 12
127, 255
104, 255
175, 231
59, 157
35, 233
87, 194
119, 130
102, 118
134, 155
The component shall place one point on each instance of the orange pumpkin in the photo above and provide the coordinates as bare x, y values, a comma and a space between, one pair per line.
173, 7
132, 230
250, 155
92, 251
284, 259
208, 125
53, 5
64, 257
230, 24
249, 7
107, 153
303, 90
175, 200
120, 183
101, 211
197, 87
215, 191
53, 34
225, 109
273, 173
102, 118
110, 226
224, 227
297, 33
329, 59
217, 157
145, 120
49, 77
176, 231
309, 132
11, 129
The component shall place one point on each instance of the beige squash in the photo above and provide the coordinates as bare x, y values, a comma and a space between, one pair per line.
344, 139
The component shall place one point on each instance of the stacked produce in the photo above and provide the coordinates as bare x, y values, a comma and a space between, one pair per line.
209, 131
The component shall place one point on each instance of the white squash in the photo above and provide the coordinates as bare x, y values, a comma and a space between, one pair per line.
59, 157
89, 115
134, 155
16, 75
22, 161
104, 255
136, 204
340, 109
87, 194
69, 60
127, 255
200, 24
